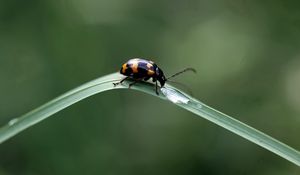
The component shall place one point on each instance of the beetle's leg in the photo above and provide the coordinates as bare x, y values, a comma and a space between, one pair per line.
156, 89
135, 81
115, 84
153, 79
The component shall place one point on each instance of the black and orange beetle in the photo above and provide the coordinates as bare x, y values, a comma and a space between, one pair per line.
141, 69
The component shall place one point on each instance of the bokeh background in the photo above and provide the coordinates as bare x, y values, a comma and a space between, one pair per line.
248, 60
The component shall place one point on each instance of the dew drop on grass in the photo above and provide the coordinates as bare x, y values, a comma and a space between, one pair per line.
12, 121
174, 96
199, 105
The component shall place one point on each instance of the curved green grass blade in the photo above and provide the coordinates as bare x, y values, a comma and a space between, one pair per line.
168, 93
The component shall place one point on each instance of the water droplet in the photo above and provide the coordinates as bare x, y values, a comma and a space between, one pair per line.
199, 105
13, 121
174, 96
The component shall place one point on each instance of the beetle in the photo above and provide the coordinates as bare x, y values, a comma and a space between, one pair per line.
140, 69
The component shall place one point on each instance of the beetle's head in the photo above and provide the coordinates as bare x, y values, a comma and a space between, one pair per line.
160, 76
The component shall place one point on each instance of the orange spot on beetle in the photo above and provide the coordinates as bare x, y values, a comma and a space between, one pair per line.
124, 67
150, 72
134, 67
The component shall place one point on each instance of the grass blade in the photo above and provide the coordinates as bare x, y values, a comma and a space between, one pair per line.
168, 93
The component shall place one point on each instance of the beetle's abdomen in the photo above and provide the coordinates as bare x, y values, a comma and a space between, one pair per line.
138, 68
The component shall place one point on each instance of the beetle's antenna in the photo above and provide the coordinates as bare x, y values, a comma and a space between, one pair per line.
180, 72
182, 85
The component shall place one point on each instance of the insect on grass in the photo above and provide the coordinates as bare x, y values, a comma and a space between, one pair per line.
142, 70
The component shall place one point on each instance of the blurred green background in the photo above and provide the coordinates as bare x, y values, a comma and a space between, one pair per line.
248, 61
